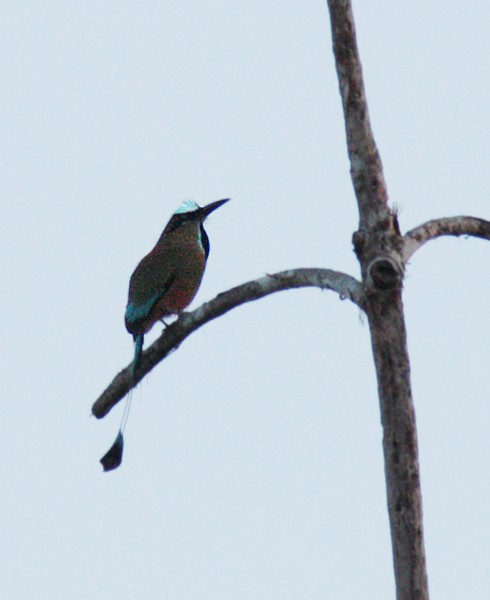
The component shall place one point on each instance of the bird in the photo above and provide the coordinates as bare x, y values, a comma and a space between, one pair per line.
167, 279
165, 282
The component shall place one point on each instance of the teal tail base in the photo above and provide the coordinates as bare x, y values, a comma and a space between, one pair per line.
138, 349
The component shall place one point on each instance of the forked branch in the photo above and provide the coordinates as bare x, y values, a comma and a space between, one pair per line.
379, 246
344, 285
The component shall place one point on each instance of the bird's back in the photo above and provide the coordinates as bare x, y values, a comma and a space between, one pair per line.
167, 279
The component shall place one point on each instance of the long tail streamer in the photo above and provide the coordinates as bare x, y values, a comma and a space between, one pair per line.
113, 457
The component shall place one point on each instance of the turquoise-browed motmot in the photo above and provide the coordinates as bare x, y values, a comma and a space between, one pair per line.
164, 283
167, 279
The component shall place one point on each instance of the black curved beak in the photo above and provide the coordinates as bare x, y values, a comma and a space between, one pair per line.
205, 211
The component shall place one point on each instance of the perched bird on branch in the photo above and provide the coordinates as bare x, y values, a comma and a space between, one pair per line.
164, 283
167, 279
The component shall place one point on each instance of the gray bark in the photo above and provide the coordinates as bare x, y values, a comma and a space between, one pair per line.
378, 245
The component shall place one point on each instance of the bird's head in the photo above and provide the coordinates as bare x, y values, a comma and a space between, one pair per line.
190, 212
189, 219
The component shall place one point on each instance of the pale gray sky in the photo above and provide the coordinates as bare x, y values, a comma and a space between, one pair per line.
253, 464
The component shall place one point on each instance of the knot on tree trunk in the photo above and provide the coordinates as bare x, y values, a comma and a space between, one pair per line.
384, 273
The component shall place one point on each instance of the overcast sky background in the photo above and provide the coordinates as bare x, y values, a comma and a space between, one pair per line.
253, 463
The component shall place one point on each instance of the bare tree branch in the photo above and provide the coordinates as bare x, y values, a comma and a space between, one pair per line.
346, 287
366, 168
400, 446
378, 245
462, 225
